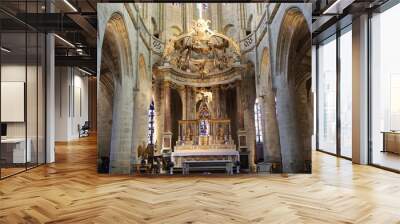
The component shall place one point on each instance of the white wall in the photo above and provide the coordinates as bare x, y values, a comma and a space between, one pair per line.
33, 126
16, 73
71, 102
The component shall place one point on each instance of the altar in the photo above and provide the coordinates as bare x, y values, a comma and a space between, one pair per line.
199, 97
204, 139
213, 152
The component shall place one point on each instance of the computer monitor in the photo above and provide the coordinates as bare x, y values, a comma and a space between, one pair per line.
3, 129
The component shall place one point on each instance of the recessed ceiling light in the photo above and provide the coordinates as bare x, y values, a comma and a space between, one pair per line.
64, 40
5, 50
84, 71
70, 5
337, 7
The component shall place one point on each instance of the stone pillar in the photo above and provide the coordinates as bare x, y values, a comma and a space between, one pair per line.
272, 152
188, 103
159, 107
122, 129
167, 106
215, 102
218, 101
239, 106
222, 105
191, 104
184, 102
289, 132
167, 116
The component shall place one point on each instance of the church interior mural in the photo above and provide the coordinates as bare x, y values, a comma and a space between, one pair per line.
199, 88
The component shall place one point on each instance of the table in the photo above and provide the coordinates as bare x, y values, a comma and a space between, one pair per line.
15, 148
391, 141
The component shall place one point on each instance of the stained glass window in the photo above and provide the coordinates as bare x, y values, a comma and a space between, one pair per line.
150, 138
257, 121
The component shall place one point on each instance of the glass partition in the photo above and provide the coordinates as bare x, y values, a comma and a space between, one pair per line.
346, 93
22, 88
327, 96
13, 105
385, 89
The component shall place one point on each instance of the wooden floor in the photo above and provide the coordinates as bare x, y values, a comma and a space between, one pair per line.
70, 191
386, 159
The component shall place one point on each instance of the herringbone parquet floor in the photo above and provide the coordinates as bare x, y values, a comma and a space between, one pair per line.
70, 191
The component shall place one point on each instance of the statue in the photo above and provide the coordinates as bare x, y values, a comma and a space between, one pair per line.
221, 133
201, 51
188, 134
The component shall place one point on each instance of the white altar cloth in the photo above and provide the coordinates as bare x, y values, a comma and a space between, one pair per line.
179, 156
206, 153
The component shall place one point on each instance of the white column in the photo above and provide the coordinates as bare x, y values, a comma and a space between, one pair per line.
360, 90
50, 100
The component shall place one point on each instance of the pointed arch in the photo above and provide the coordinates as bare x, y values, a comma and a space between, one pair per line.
115, 84
295, 125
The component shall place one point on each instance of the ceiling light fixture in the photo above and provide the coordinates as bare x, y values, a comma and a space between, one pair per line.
70, 5
84, 71
64, 40
331, 7
337, 7
5, 50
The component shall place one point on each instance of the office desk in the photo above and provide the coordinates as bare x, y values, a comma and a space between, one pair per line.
391, 141
15, 148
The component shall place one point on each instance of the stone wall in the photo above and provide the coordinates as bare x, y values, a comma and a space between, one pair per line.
118, 62
290, 139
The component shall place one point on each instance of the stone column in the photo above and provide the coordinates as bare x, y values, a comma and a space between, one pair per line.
167, 106
122, 129
184, 102
215, 102
272, 152
222, 105
218, 102
289, 132
159, 108
239, 106
167, 116
191, 104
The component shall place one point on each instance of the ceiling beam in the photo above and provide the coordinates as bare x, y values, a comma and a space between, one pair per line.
82, 61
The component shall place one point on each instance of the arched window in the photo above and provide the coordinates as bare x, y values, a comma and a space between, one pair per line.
249, 25
201, 8
151, 135
257, 121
